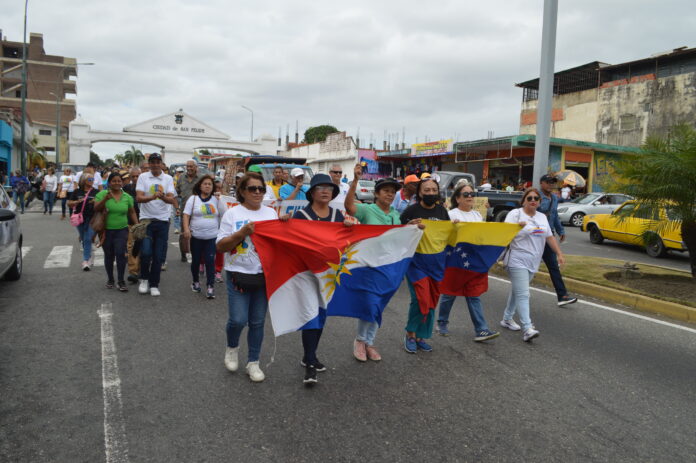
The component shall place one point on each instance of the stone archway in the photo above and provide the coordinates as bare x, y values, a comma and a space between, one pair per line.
177, 134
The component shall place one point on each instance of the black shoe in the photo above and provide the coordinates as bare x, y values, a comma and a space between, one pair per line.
318, 365
565, 300
132, 278
310, 377
184, 259
122, 286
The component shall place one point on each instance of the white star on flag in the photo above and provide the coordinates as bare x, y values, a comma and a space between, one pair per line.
466, 264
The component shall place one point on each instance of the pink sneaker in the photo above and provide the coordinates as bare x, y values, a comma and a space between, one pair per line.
359, 351
372, 354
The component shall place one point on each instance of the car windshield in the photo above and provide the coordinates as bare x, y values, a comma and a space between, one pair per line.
586, 199
367, 183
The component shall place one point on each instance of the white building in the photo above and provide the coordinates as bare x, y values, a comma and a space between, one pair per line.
336, 149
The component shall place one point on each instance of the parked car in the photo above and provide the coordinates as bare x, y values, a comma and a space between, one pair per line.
10, 239
626, 225
574, 212
365, 192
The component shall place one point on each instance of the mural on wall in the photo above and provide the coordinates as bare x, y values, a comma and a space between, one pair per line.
604, 170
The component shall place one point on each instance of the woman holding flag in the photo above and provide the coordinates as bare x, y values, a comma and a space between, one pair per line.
420, 325
522, 260
463, 200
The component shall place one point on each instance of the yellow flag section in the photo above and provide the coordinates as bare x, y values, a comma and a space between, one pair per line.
483, 233
435, 237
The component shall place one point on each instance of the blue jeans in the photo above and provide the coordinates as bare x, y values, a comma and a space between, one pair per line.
518, 300
86, 233
48, 198
153, 252
203, 250
18, 196
367, 331
551, 262
475, 311
246, 308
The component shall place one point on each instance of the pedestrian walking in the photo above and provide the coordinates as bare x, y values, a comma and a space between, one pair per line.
133, 258
184, 189
246, 286
20, 186
82, 202
49, 187
200, 225
463, 202
322, 190
549, 207
419, 326
91, 167
522, 259
156, 194
66, 185
118, 207
335, 172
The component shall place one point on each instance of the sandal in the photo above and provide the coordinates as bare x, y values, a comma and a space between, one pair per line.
109, 285
122, 287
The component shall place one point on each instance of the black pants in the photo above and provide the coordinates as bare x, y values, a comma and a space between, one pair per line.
203, 251
310, 343
115, 242
551, 261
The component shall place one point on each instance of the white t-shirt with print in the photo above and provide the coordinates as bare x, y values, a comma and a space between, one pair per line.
51, 183
97, 179
148, 184
67, 182
463, 216
205, 217
244, 258
527, 247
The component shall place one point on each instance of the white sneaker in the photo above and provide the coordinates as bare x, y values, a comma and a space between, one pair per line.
254, 372
144, 287
154, 292
232, 358
510, 324
529, 334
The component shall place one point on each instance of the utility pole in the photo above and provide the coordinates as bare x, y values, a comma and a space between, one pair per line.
251, 138
23, 134
544, 104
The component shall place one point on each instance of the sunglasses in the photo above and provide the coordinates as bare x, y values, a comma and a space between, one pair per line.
256, 189
466, 194
336, 171
323, 188
532, 198
90, 179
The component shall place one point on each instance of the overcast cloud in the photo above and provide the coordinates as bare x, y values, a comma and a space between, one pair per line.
440, 69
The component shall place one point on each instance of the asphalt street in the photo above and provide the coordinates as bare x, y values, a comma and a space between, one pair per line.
597, 385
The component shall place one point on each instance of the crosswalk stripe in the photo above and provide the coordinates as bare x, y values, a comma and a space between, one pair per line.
59, 257
98, 256
25, 250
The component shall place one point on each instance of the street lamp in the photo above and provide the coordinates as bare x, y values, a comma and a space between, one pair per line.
59, 95
23, 148
252, 121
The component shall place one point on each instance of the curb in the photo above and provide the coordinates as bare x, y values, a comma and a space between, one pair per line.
630, 300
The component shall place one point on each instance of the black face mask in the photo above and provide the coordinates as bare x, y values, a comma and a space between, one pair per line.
429, 200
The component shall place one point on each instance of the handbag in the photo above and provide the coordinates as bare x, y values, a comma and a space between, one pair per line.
248, 282
139, 230
76, 218
98, 222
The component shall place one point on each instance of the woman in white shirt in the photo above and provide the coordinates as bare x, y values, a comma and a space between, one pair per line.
464, 199
50, 186
66, 185
246, 286
200, 225
522, 260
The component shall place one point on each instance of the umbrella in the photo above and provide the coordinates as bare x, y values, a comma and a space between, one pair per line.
570, 177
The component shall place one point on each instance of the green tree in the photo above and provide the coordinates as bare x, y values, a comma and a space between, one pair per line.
133, 156
664, 175
94, 158
318, 133
120, 159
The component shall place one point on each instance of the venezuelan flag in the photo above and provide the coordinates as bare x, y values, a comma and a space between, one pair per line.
472, 248
427, 267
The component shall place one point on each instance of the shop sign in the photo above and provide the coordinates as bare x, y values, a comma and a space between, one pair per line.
433, 148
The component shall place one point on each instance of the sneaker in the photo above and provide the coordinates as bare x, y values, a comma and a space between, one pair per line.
442, 328
424, 346
218, 277
122, 287
232, 358
529, 334
410, 344
196, 287
184, 259
510, 324
154, 292
110, 284
565, 300
310, 376
85, 265
359, 351
320, 367
132, 278
254, 372
164, 266
372, 354
144, 287
485, 335
91, 261
210, 293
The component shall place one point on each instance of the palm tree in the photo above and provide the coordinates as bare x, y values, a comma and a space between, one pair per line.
664, 175
120, 159
36, 157
133, 156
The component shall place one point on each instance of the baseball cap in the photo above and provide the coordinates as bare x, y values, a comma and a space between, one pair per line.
297, 172
548, 178
179, 169
254, 168
154, 157
425, 175
410, 179
382, 182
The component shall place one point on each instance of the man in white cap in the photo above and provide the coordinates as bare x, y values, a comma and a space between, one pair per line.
296, 188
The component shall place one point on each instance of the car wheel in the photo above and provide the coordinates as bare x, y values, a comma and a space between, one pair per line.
595, 235
656, 249
500, 216
576, 219
15, 271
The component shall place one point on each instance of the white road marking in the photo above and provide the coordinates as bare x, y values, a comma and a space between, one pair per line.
610, 309
115, 442
25, 251
59, 257
98, 256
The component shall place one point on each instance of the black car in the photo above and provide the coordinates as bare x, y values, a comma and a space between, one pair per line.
10, 239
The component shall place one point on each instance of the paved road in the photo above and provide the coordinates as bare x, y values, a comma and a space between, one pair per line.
578, 242
598, 385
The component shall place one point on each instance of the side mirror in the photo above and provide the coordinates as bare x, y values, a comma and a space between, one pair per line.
6, 214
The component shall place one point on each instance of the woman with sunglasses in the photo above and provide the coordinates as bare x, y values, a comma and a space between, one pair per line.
522, 259
82, 202
463, 200
246, 288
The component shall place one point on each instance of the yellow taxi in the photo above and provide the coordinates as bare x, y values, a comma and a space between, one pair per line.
623, 225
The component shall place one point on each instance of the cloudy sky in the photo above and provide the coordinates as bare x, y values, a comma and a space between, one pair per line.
437, 69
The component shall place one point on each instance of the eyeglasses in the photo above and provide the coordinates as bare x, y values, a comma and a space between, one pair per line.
256, 189
466, 194
532, 198
323, 188
336, 171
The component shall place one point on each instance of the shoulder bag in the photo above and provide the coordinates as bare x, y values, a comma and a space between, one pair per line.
76, 218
